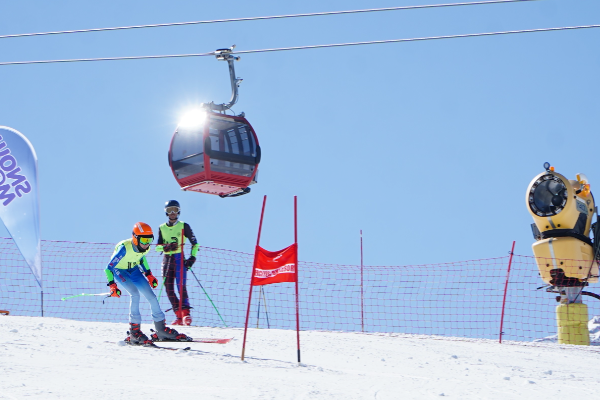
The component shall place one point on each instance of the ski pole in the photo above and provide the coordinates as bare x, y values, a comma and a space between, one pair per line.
211, 302
85, 294
162, 287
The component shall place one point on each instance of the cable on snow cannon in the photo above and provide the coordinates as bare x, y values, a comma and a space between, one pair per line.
567, 258
212, 152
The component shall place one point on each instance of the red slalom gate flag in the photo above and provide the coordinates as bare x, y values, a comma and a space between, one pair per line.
275, 266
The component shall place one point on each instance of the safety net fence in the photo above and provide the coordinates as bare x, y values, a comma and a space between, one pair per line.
461, 299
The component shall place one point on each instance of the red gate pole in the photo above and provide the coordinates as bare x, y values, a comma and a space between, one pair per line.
253, 268
505, 290
362, 296
297, 300
181, 275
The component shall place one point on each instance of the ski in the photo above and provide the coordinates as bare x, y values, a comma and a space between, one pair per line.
162, 347
153, 346
212, 340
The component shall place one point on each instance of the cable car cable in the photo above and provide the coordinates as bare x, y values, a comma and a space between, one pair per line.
317, 46
325, 13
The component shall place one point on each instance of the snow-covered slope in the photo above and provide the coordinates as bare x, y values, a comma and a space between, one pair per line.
51, 358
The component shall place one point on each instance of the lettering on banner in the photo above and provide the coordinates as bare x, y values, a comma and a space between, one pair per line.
10, 170
269, 273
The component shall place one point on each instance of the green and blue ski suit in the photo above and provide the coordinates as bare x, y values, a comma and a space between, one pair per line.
127, 265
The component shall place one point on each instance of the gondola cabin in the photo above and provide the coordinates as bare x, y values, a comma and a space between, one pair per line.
215, 154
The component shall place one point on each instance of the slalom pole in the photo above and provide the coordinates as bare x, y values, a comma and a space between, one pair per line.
252, 276
209, 299
181, 255
85, 294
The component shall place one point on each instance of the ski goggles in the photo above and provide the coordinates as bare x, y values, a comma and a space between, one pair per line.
145, 240
172, 210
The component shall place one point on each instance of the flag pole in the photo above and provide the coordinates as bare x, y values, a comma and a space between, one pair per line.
262, 213
297, 301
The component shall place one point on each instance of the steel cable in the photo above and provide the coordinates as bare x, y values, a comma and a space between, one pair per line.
318, 46
264, 18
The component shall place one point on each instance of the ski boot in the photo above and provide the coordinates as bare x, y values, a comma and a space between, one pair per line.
186, 317
165, 334
137, 337
179, 319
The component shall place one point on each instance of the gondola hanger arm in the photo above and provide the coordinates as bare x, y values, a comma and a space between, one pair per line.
225, 55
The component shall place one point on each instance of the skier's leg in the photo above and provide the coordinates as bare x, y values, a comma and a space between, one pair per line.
169, 273
163, 332
134, 303
186, 318
184, 294
144, 288
181, 274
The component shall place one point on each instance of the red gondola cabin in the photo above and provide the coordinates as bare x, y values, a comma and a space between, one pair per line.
219, 157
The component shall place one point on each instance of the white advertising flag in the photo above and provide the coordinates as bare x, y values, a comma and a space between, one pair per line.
19, 197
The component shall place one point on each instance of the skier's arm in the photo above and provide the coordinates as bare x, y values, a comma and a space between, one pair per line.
161, 241
144, 265
146, 269
117, 256
187, 231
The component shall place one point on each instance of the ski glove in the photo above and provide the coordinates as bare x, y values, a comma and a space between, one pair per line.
170, 247
114, 290
151, 279
189, 262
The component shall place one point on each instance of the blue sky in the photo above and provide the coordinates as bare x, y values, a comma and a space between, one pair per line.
427, 147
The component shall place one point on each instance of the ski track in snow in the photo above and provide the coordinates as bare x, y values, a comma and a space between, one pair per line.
51, 358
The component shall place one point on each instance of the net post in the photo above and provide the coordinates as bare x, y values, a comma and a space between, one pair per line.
505, 290
262, 214
42, 301
258, 311
362, 295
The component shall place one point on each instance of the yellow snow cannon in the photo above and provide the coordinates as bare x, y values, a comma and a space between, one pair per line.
566, 257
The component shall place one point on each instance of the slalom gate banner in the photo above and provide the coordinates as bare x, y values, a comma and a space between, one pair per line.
19, 197
275, 266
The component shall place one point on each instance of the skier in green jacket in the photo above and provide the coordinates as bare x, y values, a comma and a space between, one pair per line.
174, 266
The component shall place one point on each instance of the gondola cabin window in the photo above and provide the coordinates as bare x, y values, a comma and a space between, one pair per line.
187, 152
233, 149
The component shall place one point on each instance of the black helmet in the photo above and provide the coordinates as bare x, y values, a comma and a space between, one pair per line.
170, 204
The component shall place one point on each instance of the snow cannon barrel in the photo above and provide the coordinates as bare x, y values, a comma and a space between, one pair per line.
562, 212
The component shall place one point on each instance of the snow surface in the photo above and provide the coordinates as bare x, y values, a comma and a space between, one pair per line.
51, 358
